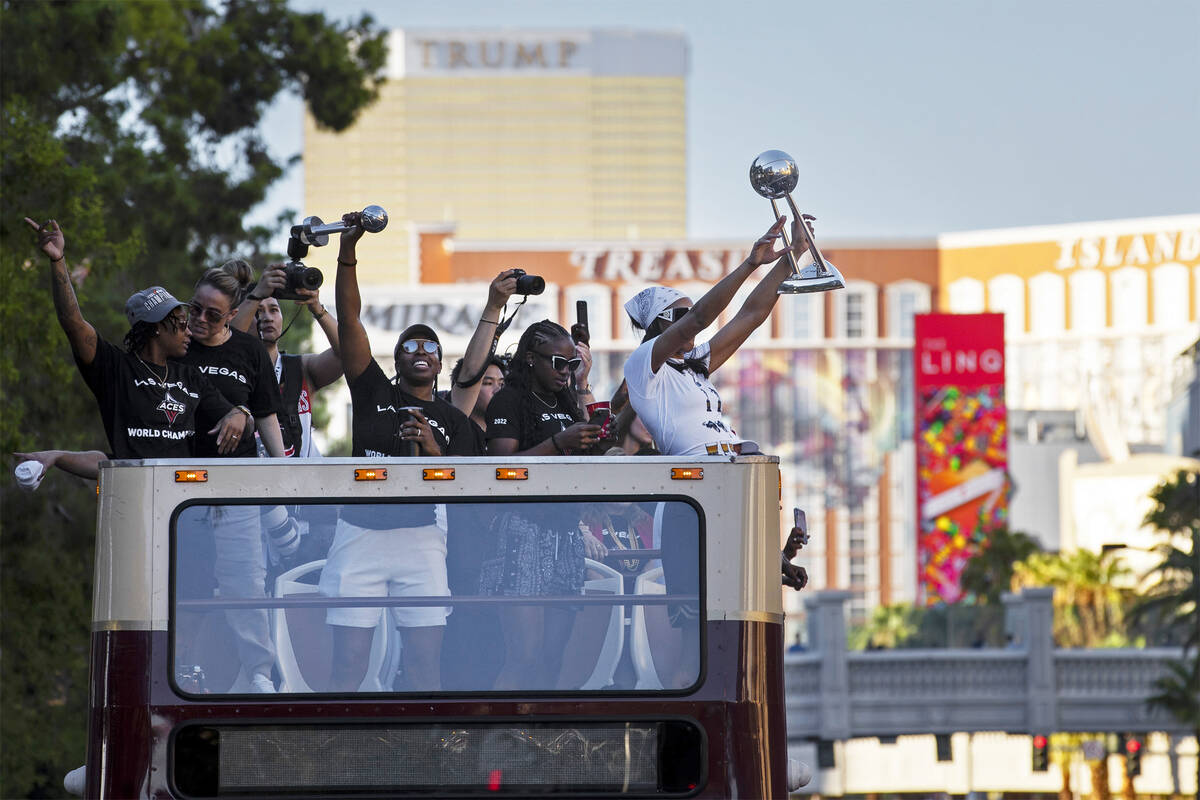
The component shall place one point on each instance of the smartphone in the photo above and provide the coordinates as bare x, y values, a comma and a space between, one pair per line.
801, 523
579, 331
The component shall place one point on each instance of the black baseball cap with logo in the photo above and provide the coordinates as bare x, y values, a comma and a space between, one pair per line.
150, 305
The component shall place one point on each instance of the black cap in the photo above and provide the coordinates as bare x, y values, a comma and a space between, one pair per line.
418, 331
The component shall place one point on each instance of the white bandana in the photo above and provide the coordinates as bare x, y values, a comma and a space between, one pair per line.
647, 304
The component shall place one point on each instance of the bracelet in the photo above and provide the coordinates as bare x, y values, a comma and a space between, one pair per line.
493, 321
255, 299
554, 439
244, 410
348, 263
586, 389
324, 311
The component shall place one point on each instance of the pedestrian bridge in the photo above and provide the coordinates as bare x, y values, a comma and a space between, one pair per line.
1029, 687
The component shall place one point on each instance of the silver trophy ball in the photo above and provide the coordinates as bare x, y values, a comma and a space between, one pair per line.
774, 174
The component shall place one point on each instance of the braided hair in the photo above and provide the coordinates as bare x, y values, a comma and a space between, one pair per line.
139, 336
520, 374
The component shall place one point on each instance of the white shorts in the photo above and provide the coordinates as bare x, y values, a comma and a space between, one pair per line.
402, 562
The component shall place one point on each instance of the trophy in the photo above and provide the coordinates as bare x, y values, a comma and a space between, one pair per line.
314, 232
774, 175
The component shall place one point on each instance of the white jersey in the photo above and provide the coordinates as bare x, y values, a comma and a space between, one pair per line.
681, 408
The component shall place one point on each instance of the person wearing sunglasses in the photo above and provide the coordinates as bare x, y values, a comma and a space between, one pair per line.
668, 380
537, 414
149, 403
394, 549
237, 364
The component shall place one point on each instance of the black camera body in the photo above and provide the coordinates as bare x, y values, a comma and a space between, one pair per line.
299, 276
529, 284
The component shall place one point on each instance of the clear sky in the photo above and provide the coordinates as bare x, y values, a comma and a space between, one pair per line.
907, 118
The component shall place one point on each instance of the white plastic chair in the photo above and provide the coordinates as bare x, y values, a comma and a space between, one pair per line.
384, 659
614, 635
649, 582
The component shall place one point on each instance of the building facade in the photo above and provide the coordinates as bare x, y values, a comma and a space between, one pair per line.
546, 135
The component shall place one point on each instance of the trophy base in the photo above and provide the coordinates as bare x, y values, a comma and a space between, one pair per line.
813, 279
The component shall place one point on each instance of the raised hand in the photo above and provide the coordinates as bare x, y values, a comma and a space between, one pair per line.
50, 238
763, 251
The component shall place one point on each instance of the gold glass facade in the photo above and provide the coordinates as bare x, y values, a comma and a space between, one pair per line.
570, 146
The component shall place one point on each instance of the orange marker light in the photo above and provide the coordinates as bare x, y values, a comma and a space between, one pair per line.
370, 474
191, 476
512, 474
687, 474
438, 474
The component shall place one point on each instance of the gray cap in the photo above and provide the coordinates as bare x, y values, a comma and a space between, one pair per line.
150, 305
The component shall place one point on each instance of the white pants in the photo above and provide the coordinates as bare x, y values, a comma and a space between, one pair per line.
241, 571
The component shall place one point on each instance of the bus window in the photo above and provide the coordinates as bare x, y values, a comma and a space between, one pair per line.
505, 595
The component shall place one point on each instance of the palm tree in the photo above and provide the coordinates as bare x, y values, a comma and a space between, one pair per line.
1171, 589
1178, 693
889, 627
989, 573
1088, 599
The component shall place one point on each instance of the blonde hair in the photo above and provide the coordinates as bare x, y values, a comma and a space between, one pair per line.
231, 279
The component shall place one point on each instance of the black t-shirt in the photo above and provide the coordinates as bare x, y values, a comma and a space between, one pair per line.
145, 417
375, 403
508, 418
244, 374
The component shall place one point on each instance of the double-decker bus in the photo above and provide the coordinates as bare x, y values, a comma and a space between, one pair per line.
622, 691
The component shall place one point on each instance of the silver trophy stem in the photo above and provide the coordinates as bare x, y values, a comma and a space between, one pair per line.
813, 250
372, 219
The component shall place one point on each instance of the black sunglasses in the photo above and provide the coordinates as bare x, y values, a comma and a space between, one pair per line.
557, 363
411, 346
673, 314
210, 314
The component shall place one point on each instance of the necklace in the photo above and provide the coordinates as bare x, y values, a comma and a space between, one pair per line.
547, 405
166, 371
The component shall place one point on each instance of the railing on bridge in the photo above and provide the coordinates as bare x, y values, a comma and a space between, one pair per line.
1028, 687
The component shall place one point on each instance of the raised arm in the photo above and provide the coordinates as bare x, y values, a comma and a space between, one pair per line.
480, 346
321, 369
352, 336
80, 333
715, 300
757, 308
272, 278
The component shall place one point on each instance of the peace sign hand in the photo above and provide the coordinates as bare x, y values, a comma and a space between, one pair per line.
50, 238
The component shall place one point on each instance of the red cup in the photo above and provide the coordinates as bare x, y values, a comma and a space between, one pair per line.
600, 413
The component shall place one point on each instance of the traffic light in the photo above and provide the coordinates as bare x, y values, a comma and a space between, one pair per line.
1041, 753
1132, 747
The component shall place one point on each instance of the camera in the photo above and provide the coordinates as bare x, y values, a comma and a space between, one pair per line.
299, 276
528, 284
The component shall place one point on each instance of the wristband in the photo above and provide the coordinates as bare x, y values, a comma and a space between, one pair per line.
348, 263
324, 311
554, 439
493, 321
244, 410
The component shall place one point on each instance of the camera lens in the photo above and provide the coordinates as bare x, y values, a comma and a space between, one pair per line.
531, 284
311, 278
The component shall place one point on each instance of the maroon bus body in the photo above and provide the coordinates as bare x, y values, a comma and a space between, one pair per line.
134, 709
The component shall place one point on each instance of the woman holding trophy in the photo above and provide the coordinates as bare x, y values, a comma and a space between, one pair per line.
668, 379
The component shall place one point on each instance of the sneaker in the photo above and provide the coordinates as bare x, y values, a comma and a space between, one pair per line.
261, 684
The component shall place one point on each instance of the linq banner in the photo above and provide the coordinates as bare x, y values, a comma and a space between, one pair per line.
962, 446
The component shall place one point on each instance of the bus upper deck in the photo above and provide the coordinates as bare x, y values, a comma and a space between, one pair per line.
452, 627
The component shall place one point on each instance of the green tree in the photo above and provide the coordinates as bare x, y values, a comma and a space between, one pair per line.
1178, 693
890, 626
1170, 590
1089, 598
989, 573
134, 124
